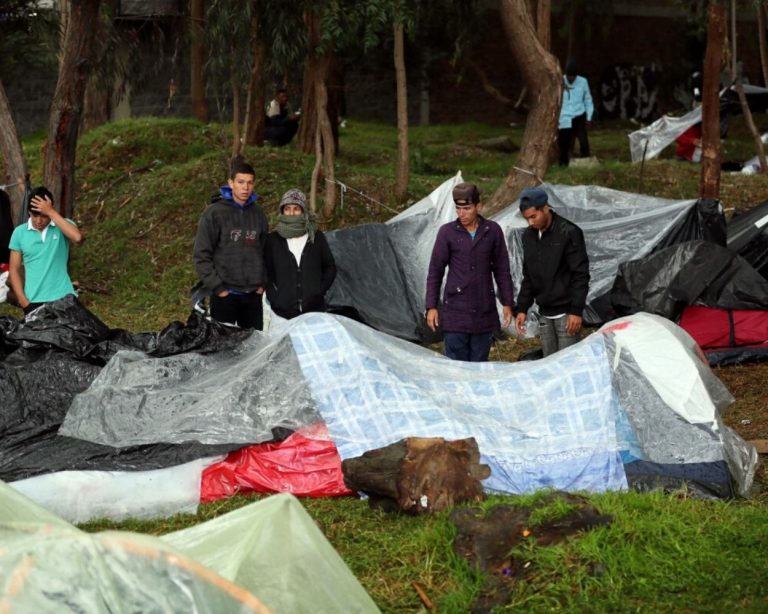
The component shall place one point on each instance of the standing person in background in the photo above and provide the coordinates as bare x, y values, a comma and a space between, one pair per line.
555, 273
300, 265
39, 254
281, 123
229, 250
475, 253
575, 114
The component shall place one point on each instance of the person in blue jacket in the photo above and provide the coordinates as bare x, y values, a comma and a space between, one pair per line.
575, 114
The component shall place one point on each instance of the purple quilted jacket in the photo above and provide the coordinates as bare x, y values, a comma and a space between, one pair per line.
469, 299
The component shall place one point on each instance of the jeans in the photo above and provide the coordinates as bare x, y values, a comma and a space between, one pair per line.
554, 336
245, 310
467, 346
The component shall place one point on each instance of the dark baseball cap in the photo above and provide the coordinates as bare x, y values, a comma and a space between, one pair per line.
533, 197
467, 192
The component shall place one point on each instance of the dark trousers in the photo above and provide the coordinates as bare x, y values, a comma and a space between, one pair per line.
566, 136
245, 310
467, 346
282, 134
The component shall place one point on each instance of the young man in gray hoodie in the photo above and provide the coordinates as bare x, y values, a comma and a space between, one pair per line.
229, 250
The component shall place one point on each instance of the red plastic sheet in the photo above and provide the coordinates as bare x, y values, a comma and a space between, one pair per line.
304, 464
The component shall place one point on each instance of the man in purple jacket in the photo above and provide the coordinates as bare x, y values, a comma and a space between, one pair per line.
475, 253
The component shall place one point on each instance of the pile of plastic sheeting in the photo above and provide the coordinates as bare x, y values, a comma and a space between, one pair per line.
268, 556
382, 268
629, 406
648, 142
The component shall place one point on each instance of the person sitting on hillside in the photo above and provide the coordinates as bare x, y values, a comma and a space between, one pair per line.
281, 124
300, 265
40, 254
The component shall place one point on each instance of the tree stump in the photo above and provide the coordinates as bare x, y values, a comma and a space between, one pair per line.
418, 475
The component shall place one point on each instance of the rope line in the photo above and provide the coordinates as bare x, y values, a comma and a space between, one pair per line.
345, 188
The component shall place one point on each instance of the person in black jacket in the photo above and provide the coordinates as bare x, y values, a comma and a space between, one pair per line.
555, 273
300, 265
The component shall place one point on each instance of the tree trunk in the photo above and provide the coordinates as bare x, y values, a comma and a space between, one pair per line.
305, 138
13, 154
66, 107
327, 140
751, 126
543, 79
197, 60
97, 104
253, 128
543, 23
401, 165
710, 114
237, 142
761, 38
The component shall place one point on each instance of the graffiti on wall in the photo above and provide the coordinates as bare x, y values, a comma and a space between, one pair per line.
630, 91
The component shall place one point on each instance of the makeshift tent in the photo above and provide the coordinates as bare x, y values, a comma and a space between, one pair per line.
268, 556
721, 301
388, 290
649, 141
695, 272
627, 406
748, 237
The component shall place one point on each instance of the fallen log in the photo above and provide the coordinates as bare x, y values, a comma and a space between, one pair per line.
418, 475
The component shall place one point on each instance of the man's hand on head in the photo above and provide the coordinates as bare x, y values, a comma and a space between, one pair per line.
42, 205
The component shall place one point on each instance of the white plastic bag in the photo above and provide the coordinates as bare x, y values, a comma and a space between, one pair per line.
531, 325
3, 286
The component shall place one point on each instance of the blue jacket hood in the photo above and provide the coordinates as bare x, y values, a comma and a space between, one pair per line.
226, 194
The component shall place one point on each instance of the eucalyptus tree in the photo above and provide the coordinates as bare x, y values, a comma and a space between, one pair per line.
76, 54
543, 78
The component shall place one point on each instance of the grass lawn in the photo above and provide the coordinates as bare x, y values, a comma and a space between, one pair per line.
142, 185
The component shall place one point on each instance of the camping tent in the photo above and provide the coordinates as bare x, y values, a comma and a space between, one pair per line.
265, 557
629, 405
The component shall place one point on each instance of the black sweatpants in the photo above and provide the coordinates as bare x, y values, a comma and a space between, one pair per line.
566, 136
245, 310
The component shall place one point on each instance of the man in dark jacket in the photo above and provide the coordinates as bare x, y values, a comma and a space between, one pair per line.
555, 272
300, 265
229, 250
475, 253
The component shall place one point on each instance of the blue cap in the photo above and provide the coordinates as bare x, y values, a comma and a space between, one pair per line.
533, 197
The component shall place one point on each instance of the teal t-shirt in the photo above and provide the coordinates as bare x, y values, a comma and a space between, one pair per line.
45, 262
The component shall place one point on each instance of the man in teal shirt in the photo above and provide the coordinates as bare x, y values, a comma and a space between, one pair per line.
40, 254
575, 114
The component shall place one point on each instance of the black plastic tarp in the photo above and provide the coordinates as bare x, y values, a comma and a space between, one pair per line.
56, 354
695, 272
748, 236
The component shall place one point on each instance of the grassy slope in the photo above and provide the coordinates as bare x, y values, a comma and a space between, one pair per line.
660, 553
